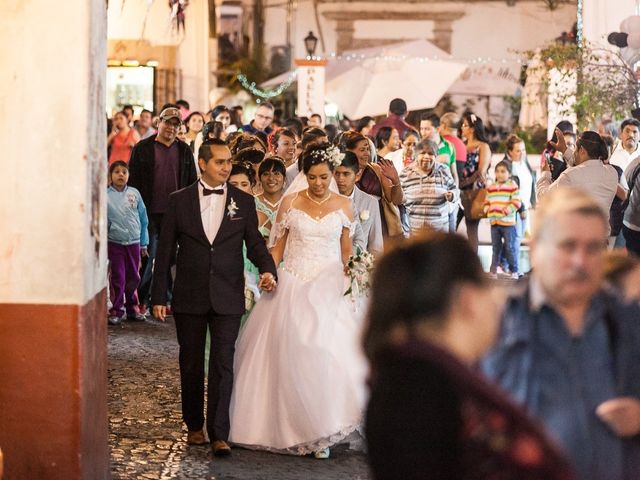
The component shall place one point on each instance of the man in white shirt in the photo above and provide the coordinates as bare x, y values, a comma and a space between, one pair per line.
627, 148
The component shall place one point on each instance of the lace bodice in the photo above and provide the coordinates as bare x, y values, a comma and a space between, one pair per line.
312, 244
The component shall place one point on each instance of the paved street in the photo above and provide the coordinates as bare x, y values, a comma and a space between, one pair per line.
147, 437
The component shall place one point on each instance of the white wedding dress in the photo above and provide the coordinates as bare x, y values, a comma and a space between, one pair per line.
299, 371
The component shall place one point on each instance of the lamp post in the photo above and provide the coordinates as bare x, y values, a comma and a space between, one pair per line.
310, 73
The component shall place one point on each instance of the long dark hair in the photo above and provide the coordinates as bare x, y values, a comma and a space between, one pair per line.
415, 283
383, 136
314, 156
475, 122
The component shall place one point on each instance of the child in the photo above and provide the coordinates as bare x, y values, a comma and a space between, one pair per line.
128, 239
501, 205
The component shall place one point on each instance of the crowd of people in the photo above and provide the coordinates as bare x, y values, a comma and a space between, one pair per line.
245, 231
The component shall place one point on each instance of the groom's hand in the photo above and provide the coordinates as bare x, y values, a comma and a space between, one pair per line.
160, 312
267, 282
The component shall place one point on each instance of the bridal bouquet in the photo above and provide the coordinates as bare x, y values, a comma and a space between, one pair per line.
358, 270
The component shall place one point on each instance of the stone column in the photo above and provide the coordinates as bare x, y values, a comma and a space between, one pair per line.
443, 31
53, 339
345, 31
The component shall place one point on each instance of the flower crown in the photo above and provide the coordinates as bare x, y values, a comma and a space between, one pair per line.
330, 155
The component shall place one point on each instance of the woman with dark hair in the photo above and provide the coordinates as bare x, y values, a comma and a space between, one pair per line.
551, 155
283, 145
378, 179
122, 139
298, 387
194, 123
222, 114
405, 156
430, 415
311, 136
474, 171
387, 141
246, 140
271, 175
243, 176
428, 188
253, 157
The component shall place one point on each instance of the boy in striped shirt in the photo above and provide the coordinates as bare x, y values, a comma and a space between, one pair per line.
501, 206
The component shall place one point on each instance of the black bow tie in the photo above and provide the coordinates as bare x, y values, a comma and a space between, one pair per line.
207, 191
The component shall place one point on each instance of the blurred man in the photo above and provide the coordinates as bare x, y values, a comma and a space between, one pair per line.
144, 125
628, 146
395, 118
570, 351
261, 121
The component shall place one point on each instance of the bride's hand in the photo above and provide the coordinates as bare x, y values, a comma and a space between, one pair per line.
267, 282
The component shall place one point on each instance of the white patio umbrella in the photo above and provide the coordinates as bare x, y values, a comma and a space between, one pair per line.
488, 80
363, 81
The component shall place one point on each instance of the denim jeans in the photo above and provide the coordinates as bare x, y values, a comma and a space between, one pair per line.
521, 227
504, 240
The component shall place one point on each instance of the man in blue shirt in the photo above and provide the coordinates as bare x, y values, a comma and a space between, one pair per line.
570, 351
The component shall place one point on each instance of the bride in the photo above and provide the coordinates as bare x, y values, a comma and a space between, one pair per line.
299, 374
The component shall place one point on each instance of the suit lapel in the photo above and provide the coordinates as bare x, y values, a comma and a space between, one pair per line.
194, 200
225, 213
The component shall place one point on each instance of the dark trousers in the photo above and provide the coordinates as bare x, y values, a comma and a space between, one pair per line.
124, 280
192, 334
632, 238
146, 272
504, 242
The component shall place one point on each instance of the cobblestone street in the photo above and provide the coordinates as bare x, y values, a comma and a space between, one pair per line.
146, 434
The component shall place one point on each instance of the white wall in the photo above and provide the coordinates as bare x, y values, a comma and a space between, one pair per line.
128, 23
53, 164
601, 17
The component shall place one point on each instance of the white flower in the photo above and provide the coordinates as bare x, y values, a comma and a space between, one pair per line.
364, 215
232, 208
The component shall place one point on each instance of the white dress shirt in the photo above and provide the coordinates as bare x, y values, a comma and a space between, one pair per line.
211, 209
622, 158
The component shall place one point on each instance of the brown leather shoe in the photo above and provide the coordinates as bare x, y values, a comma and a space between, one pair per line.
196, 438
220, 448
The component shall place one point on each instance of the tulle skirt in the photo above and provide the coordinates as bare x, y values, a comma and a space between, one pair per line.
299, 369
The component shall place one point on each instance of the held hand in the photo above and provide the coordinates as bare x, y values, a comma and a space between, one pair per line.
448, 196
561, 144
267, 282
144, 252
622, 415
160, 312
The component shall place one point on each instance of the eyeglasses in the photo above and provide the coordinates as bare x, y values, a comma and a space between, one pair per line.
263, 117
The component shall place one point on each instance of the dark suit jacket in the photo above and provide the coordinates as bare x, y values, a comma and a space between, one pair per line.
208, 275
142, 163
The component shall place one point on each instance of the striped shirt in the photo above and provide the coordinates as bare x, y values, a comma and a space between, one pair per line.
502, 197
424, 196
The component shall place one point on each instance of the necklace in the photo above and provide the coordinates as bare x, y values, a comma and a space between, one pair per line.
272, 205
316, 201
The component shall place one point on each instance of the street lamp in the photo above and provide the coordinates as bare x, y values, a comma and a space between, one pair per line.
310, 42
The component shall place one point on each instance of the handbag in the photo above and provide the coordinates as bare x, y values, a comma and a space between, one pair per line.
390, 212
473, 203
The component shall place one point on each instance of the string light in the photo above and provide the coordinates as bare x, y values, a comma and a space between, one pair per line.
349, 57
266, 94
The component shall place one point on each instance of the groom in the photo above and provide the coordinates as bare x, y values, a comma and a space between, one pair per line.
208, 222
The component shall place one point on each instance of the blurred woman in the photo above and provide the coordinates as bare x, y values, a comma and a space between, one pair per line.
432, 315
428, 188
121, 139
406, 155
223, 115
474, 173
252, 157
271, 175
387, 141
194, 123
284, 145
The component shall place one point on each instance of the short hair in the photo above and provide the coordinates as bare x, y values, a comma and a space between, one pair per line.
363, 122
427, 145
450, 120
246, 140
617, 265
629, 121
512, 141
212, 128
205, 153
350, 161
268, 105
310, 134
594, 144
349, 140
283, 132
191, 115
415, 284
383, 136
144, 110
504, 164
564, 200
398, 106
117, 163
272, 164
314, 156
315, 115
432, 117
332, 132
409, 132
127, 107
244, 168
183, 103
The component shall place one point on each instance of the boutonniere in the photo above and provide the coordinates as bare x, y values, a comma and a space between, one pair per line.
232, 208
364, 215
